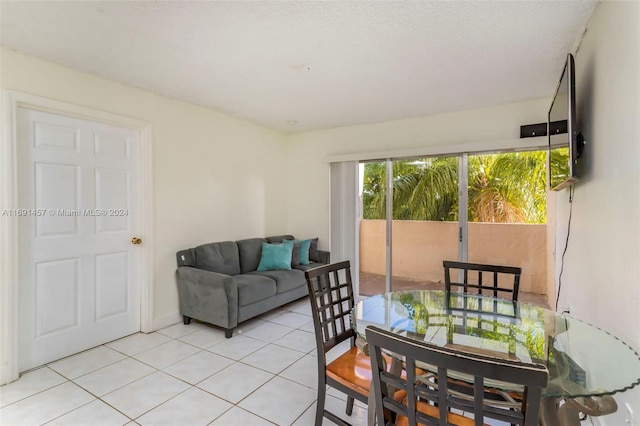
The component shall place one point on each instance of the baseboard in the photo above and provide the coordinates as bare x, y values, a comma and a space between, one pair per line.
166, 320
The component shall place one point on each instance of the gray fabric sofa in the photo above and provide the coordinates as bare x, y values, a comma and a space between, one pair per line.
218, 282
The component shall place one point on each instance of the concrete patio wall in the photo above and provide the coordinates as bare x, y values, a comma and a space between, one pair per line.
419, 247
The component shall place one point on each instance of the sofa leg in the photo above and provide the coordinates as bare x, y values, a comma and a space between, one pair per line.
228, 332
186, 319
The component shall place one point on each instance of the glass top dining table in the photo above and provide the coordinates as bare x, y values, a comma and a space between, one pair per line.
583, 360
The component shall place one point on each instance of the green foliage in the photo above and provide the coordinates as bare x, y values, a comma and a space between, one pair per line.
503, 188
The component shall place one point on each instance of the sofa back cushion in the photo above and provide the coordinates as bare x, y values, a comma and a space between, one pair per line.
279, 238
219, 257
186, 257
250, 251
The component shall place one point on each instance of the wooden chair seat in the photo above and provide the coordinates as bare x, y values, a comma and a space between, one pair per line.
353, 370
452, 418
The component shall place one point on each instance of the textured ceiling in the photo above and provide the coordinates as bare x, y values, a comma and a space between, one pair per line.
318, 64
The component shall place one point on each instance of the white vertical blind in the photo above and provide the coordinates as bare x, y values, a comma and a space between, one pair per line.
345, 215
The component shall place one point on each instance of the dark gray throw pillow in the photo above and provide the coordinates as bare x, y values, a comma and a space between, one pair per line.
295, 255
313, 251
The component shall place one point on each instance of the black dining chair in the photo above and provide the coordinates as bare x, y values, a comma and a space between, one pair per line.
417, 401
488, 280
332, 299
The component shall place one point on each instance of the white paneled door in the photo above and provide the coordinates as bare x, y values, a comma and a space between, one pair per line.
79, 213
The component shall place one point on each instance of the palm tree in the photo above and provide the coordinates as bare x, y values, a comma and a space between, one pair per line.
424, 189
504, 188
508, 187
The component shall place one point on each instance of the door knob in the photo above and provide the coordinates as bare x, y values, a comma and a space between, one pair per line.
136, 240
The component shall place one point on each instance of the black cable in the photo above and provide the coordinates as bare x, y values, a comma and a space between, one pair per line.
566, 243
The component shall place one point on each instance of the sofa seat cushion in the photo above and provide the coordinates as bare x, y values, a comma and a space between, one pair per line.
254, 288
285, 280
311, 265
218, 257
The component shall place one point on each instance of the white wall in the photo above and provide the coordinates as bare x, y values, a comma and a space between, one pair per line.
601, 282
482, 129
215, 177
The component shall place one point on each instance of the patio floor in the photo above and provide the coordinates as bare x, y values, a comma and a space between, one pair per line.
371, 284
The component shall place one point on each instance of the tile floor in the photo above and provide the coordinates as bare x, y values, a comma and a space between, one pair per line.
183, 375
187, 375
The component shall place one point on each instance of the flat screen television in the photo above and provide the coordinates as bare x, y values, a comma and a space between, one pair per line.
565, 143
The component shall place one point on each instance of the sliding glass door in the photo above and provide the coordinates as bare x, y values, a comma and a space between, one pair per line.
417, 212
424, 225
409, 222
373, 228
507, 214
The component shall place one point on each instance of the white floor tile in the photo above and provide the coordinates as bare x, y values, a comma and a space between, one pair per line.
268, 316
198, 367
193, 407
138, 342
237, 347
273, 358
280, 401
205, 337
290, 319
308, 327
178, 330
29, 384
298, 340
247, 325
96, 413
142, 395
268, 332
235, 382
113, 377
238, 416
86, 362
303, 371
337, 407
45, 406
194, 385
166, 354
302, 306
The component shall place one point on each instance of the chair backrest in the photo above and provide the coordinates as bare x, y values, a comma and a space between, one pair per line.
473, 367
331, 296
498, 281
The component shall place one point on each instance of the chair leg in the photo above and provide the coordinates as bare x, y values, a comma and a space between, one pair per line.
350, 402
320, 405
228, 332
186, 319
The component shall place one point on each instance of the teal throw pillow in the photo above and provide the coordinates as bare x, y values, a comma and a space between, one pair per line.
276, 257
305, 245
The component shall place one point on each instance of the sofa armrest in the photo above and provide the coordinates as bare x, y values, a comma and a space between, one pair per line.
325, 256
208, 296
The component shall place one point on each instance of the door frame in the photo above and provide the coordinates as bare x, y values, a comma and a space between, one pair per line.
11, 101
